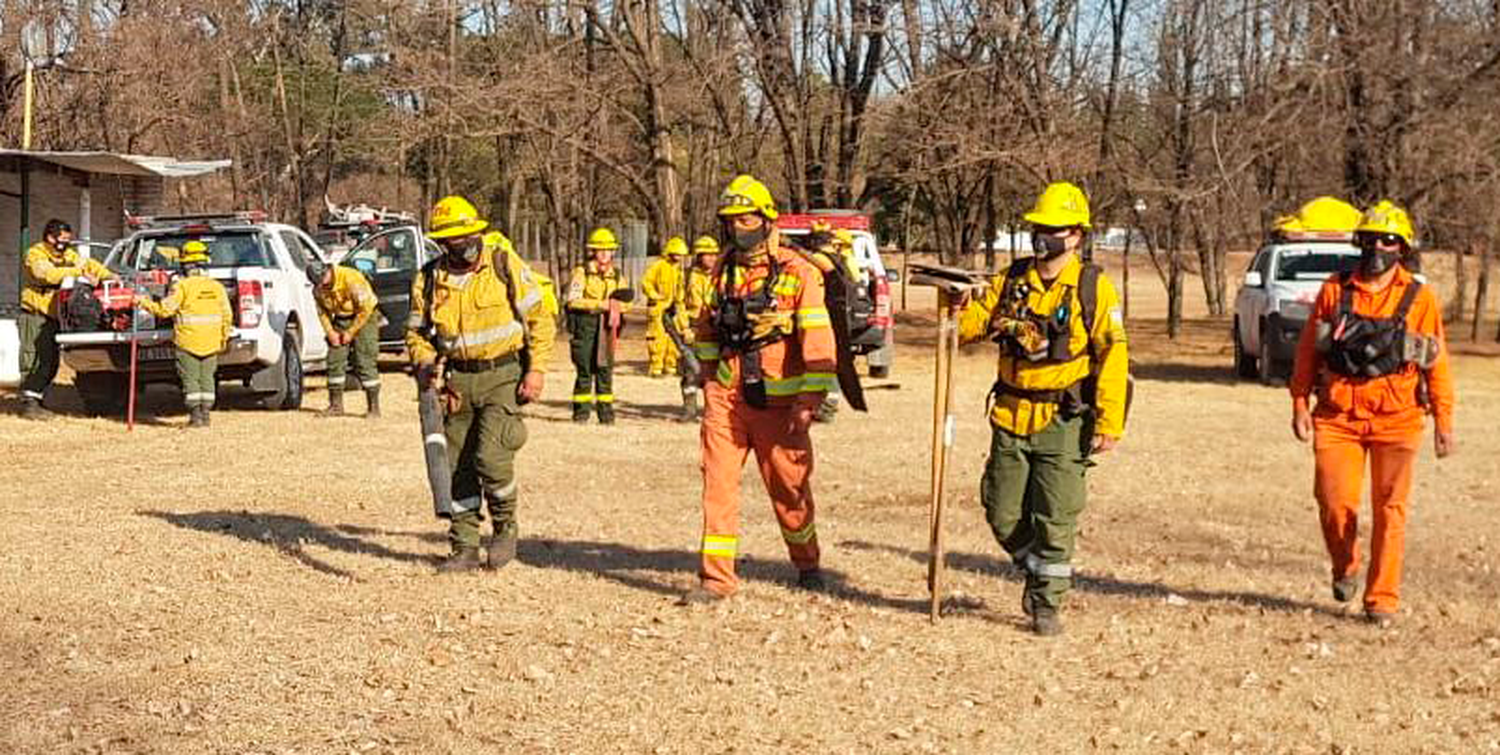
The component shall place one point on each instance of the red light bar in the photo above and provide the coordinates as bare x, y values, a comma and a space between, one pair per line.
1316, 235
836, 220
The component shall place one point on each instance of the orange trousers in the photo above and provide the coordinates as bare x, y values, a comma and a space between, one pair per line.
731, 429
1340, 447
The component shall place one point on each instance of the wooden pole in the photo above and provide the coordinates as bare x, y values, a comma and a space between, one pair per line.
942, 440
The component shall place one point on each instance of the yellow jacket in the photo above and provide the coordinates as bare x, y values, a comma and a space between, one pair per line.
473, 313
662, 285
349, 295
1107, 334
700, 288
201, 317
589, 288
45, 270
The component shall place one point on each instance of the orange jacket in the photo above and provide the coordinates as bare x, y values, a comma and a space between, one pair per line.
1388, 395
805, 362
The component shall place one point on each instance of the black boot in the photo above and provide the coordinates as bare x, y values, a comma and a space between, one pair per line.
606, 414
502, 547
31, 408
581, 413
335, 403
372, 403
462, 559
196, 416
689, 406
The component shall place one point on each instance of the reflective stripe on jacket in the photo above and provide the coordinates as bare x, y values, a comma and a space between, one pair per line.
44, 272
1022, 416
589, 288
472, 312
1394, 394
200, 313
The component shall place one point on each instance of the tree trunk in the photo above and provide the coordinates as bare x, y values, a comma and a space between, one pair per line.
1482, 290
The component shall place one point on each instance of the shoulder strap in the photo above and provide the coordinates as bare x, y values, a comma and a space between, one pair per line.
1407, 299
429, 288
1346, 294
1088, 296
501, 263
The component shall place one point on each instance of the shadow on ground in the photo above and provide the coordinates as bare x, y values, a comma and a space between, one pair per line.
1104, 585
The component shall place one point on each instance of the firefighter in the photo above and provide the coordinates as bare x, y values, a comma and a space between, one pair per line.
1374, 354
664, 290
1059, 397
201, 322
595, 296
768, 357
484, 331
48, 263
346, 307
700, 282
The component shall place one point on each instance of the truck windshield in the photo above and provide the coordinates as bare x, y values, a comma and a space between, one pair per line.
225, 249
1296, 265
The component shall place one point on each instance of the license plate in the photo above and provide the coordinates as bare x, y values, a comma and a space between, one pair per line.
158, 353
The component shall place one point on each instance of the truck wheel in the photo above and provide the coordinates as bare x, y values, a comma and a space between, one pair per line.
103, 393
1244, 364
289, 393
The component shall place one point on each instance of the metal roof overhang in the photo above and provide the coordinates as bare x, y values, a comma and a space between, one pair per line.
113, 163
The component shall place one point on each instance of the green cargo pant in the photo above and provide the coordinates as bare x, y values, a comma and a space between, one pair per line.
483, 438
594, 385
364, 352
197, 376
39, 354
1032, 492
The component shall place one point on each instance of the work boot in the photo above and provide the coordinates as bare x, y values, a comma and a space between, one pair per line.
195, 416
689, 407
31, 408
1045, 621
1345, 589
581, 413
372, 403
335, 404
606, 414
810, 580
700, 596
1028, 603
463, 558
827, 410
205, 410
1381, 619
502, 547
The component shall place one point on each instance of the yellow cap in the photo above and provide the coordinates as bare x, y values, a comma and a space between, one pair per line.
1386, 217
453, 217
675, 247
705, 245
745, 195
1061, 205
603, 238
194, 253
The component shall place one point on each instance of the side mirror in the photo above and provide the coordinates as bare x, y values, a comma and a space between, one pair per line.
893, 276
1253, 279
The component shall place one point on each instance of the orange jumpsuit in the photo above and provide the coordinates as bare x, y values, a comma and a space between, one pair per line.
799, 370
1380, 418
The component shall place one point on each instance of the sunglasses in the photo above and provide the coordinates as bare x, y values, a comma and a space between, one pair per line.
1051, 230
1382, 239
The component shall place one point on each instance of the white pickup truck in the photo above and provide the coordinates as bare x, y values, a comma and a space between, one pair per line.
277, 335
1276, 298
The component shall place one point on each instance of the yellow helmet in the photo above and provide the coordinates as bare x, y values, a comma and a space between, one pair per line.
1387, 217
452, 217
705, 245
745, 195
1321, 214
1061, 205
603, 238
194, 253
675, 247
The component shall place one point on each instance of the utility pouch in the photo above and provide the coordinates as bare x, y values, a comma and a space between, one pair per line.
752, 380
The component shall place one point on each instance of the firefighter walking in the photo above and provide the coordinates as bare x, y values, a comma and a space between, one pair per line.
479, 324
351, 323
596, 293
767, 349
48, 263
1059, 396
1374, 354
663, 286
201, 323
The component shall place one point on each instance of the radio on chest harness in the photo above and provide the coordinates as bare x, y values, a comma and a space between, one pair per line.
1359, 346
734, 319
1047, 337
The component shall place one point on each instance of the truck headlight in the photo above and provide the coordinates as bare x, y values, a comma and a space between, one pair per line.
1294, 310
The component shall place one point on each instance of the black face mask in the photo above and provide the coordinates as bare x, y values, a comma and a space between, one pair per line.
1048, 246
1373, 262
464, 253
746, 241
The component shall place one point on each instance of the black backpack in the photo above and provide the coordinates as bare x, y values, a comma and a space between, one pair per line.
1366, 347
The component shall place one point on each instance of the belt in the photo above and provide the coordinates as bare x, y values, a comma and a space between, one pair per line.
483, 365
1034, 396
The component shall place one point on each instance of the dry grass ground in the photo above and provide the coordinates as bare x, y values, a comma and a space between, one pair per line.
267, 587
